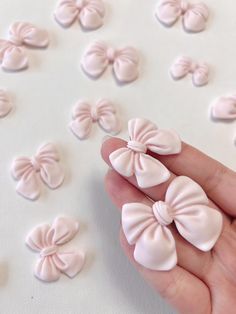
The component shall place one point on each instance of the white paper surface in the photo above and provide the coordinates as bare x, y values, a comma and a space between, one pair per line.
43, 98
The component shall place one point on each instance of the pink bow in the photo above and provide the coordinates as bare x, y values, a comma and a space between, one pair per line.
195, 16
98, 56
43, 165
186, 204
224, 108
5, 104
12, 55
46, 240
103, 112
89, 12
134, 160
184, 65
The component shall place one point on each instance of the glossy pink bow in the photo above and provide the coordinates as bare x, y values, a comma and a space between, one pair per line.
44, 165
5, 104
184, 65
98, 56
224, 108
47, 240
89, 12
187, 205
195, 16
134, 160
12, 54
84, 115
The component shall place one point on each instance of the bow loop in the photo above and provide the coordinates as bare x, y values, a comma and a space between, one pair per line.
63, 230
5, 104
201, 74
124, 61
133, 160
12, 58
25, 33
224, 108
187, 205
195, 16
89, 12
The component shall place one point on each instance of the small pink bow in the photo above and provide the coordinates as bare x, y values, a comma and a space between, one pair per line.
224, 108
47, 240
5, 104
98, 56
12, 54
134, 160
89, 12
103, 112
184, 65
187, 205
195, 16
44, 165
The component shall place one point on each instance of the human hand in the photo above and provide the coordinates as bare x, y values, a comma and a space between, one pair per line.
201, 283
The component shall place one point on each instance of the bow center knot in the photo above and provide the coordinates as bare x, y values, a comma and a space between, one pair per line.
111, 54
36, 164
94, 114
16, 40
48, 251
163, 213
193, 67
80, 4
137, 147
184, 6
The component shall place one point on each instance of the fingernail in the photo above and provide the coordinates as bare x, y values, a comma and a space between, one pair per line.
105, 138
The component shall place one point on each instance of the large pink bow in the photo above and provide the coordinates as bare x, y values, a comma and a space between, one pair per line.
12, 54
184, 65
134, 160
89, 12
195, 16
46, 240
103, 112
44, 165
224, 108
5, 103
186, 204
98, 56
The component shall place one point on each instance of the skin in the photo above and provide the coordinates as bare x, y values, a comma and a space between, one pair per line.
201, 283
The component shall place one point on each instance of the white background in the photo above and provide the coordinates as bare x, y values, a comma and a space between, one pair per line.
43, 97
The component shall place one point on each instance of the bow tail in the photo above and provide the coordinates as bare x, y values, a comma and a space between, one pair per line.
156, 249
52, 174
12, 58
200, 225
81, 127
46, 270
69, 263
28, 186
149, 171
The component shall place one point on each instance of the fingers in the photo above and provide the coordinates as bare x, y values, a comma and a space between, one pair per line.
218, 181
182, 290
190, 258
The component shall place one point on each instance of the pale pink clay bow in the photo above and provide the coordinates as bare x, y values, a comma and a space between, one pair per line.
12, 54
146, 227
84, 115
47, 240
182, 66
89, 12
195, 16
44, 165
98, 56
134, 160
224, 108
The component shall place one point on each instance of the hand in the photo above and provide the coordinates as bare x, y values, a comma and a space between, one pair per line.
201, 283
